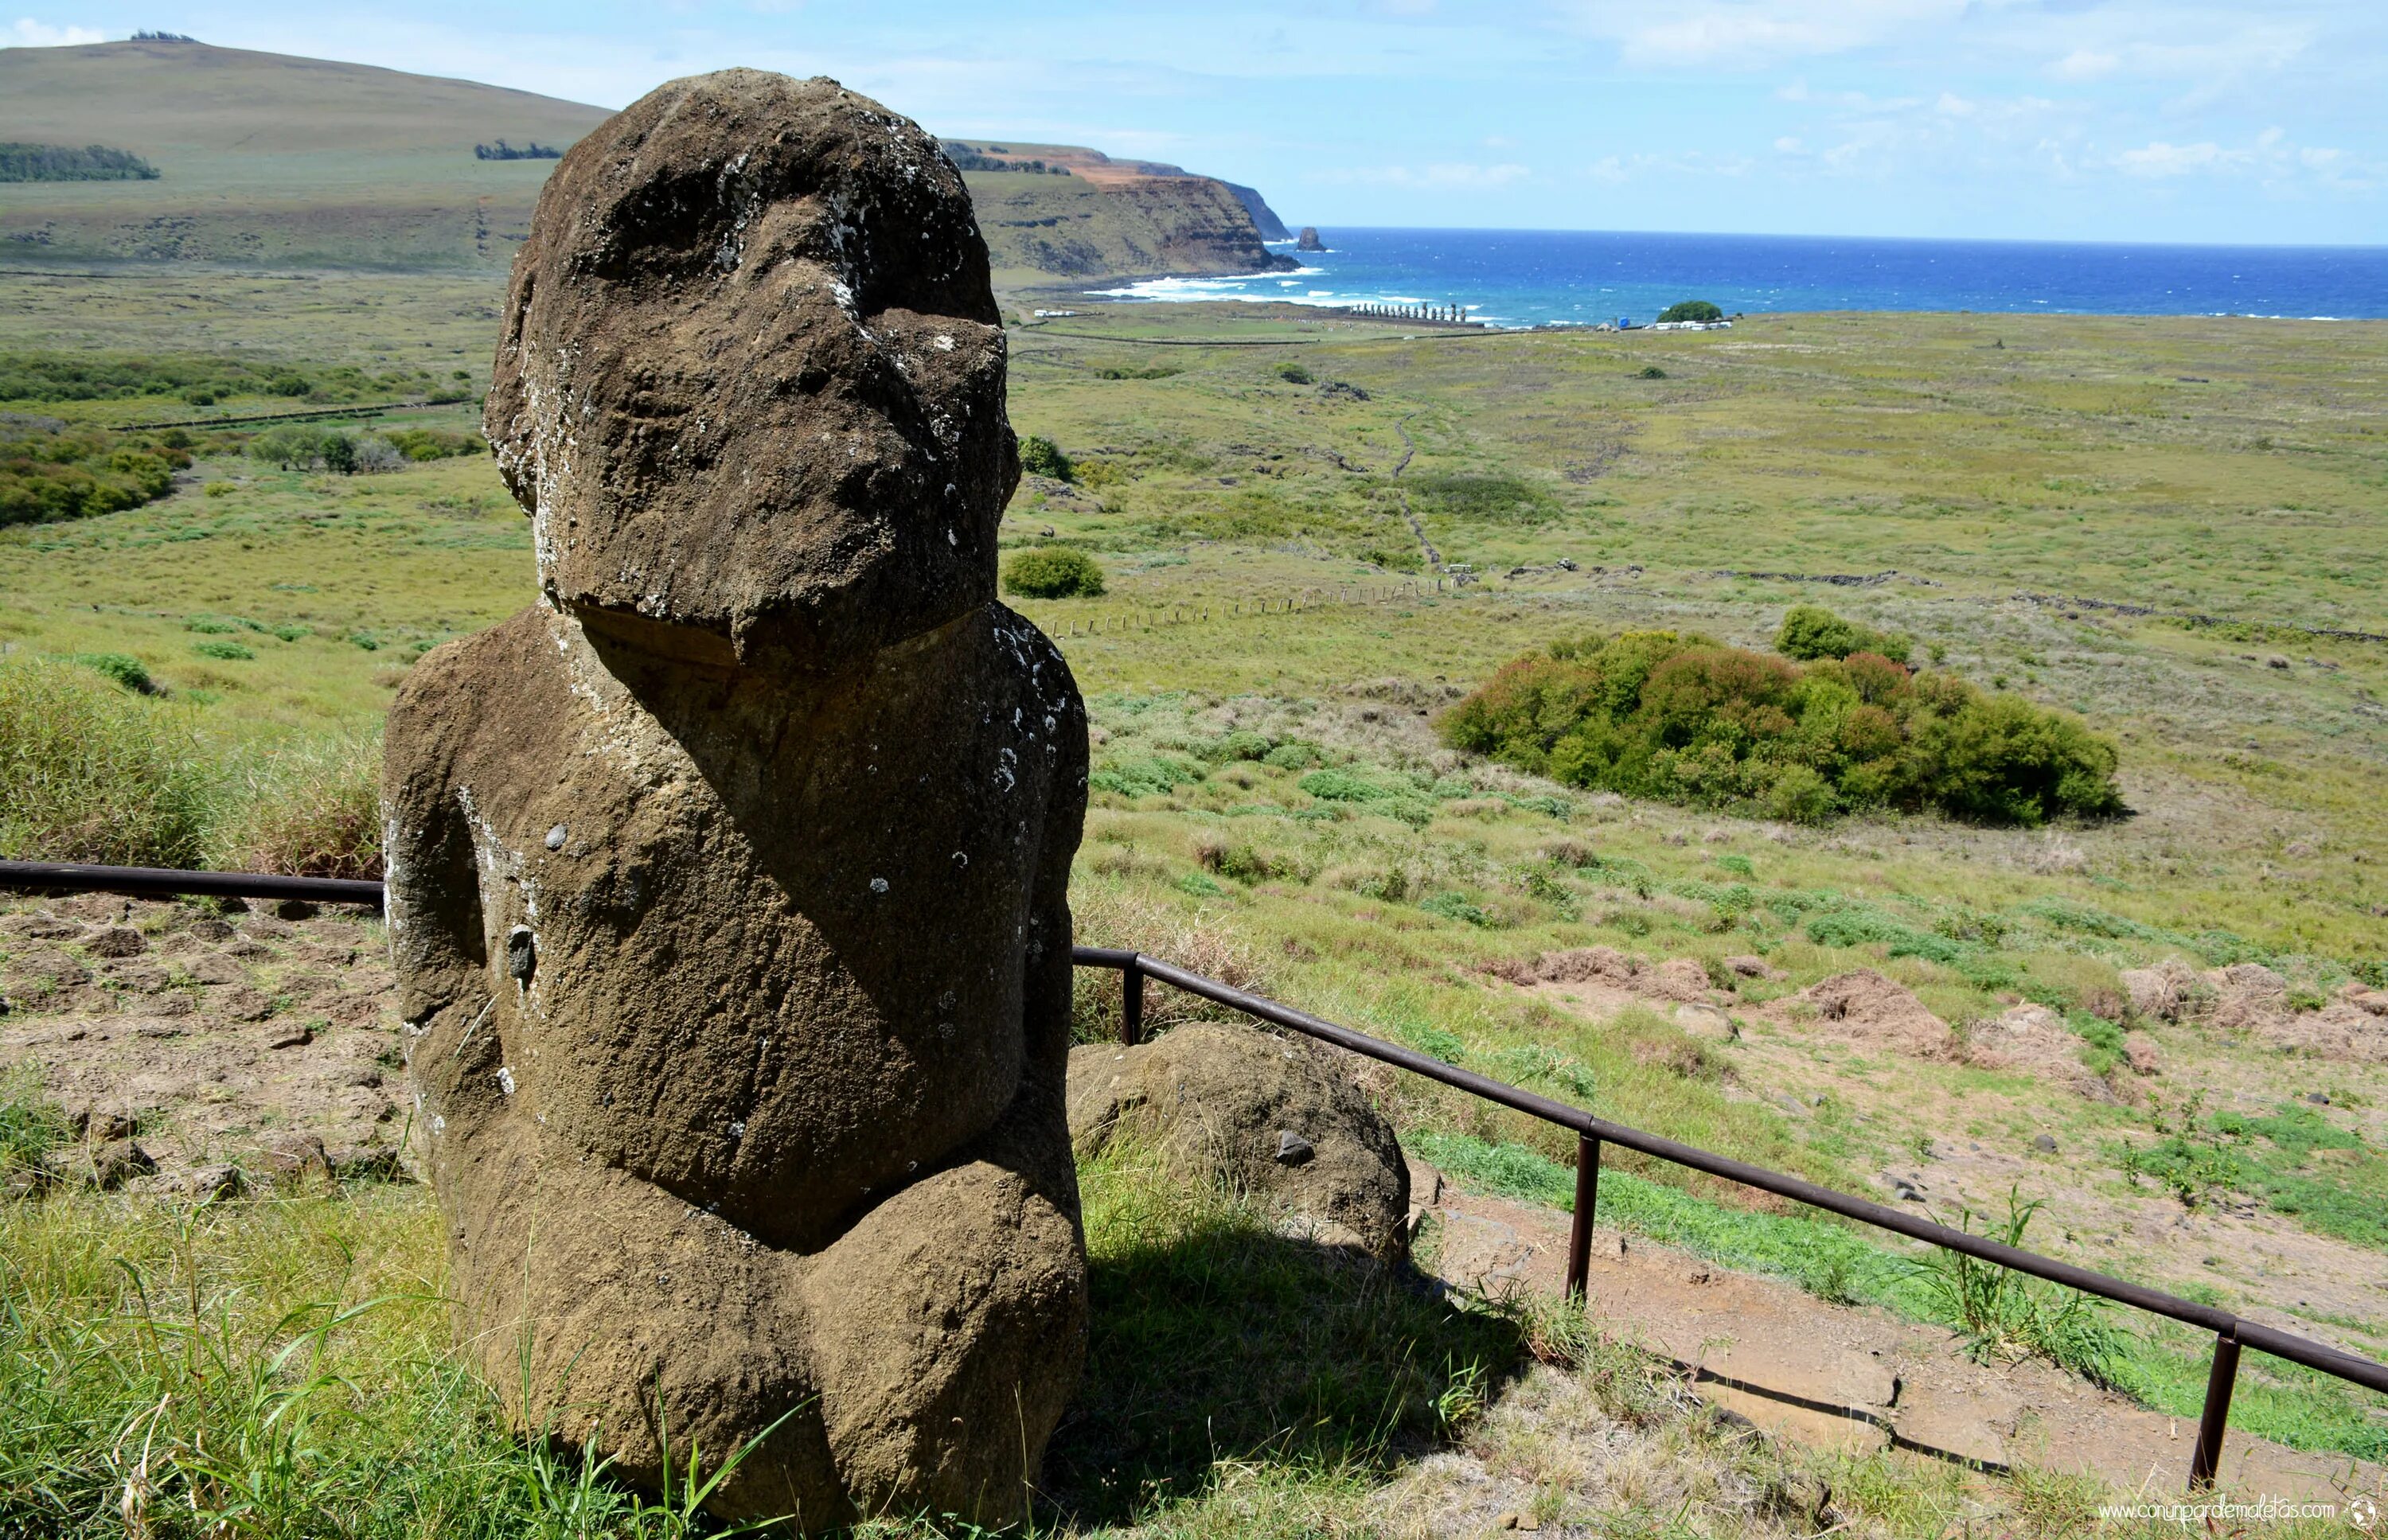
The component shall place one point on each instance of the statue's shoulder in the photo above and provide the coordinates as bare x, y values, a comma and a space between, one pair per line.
1038, 665
479, 692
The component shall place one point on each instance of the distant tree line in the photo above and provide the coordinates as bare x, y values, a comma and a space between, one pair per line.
967, 158
65, 163
204, 380
49, 471
504, 151
163, 37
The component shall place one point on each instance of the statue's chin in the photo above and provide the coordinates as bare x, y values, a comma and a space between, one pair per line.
656, 640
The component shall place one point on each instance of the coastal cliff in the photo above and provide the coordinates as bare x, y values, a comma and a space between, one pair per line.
1064, 210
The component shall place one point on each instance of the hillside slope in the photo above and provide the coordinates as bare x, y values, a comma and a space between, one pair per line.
1111, 217
299, 162
264, 158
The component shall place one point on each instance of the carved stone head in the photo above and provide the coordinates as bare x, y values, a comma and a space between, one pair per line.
751, 388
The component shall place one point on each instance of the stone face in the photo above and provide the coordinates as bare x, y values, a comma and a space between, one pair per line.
1274, 1117
778, 423
727, 887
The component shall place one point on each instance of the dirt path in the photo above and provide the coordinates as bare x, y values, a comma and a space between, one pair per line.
1409, 450
1852, 1378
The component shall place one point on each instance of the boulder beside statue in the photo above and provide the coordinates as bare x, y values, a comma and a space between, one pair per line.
727, 884
1275, 1119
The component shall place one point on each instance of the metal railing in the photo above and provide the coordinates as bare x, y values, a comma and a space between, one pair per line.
2231, 1332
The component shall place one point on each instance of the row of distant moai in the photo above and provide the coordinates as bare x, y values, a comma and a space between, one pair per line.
1445, 315
728, 882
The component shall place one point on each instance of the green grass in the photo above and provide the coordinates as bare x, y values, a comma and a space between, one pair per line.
2305, 1166
276, 1365
1257, 631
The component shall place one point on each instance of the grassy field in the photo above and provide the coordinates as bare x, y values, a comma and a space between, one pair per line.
1265, 536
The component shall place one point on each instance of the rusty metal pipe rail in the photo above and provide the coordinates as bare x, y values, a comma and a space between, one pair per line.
168, 882
2232, 1332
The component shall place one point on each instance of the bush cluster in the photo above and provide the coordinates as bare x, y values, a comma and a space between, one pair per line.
1677, 717
48, 472
200, 379
23, 162
1053, 572
1811, 631
298, 446
1040, 456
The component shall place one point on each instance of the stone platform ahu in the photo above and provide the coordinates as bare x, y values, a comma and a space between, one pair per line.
727, 884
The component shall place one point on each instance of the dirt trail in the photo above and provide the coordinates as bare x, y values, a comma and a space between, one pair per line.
1409, 451
1854, 1379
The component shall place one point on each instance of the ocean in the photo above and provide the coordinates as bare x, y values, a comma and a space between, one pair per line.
1548, 277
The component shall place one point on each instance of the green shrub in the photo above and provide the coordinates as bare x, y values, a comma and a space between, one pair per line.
1676, 716
1394, 799
1292, 754
1811, 631
1243, 744
1692, 309
1040, 456
48, 472
1649, 371
1293, 374
1153, 775
28, 162
1053, 572
421, 443
89, 772
228, 651
129, 671
289, 446
1456, 906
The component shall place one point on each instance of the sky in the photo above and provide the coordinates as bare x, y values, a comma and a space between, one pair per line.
2039, 120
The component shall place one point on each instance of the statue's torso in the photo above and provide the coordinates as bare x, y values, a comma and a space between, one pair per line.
770, 957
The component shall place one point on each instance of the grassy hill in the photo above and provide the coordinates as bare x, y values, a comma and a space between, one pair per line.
266, 158
1262, 531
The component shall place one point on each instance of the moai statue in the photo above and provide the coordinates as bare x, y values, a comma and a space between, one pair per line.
727, 884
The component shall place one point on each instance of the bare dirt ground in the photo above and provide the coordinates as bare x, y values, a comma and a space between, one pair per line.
1846, 1378
209, 1038
1957, 1122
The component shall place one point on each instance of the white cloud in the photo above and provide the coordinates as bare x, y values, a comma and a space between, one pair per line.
1442, 176
2160, 158
1754, 34
30, 33
1614, 170
1789, 144
2270, 158
2086, 64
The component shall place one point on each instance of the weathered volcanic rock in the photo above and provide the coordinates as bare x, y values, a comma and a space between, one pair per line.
1272, 1116
728, 886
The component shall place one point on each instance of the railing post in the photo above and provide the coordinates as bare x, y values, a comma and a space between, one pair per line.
1587, 1197
2206, 1461
1131, 1005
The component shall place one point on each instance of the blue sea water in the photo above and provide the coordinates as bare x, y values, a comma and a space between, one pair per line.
1545, 277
